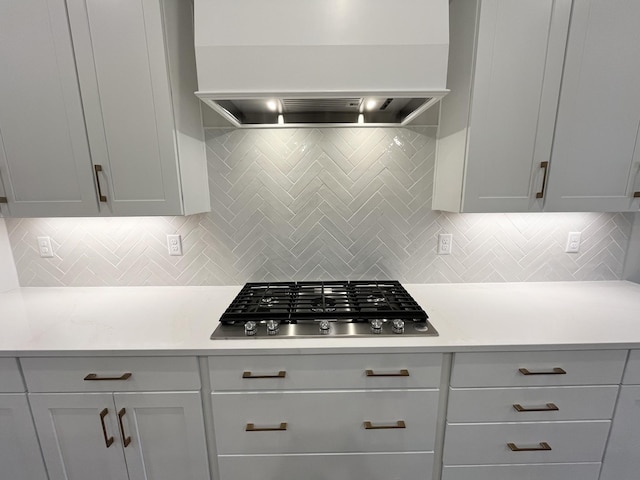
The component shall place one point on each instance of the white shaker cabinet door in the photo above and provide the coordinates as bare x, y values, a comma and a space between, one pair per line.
596, 153
163, 435
20, 457
622, 458
79, 436
45, 166
496, 125
122, 68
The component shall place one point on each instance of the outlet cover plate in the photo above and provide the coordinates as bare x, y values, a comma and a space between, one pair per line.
174, 244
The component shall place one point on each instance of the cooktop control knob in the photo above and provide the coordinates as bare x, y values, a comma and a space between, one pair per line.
250, 328
324, 327
272, 327
376, 326
397, 326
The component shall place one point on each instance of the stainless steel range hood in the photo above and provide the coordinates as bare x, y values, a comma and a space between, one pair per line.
321, 62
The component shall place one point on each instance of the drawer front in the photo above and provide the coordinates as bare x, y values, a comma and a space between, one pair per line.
531, 404
106, 374
526, 369
487, 443
632, 372
378, 466
568, 471
10, 378
311, 422
299, 372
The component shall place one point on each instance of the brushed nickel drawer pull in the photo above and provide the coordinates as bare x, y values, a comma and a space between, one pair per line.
280, 374
544, 165
551, 407
125, 440
554, 371
96, 378
107, 439
544, 447
370, 426
98, 169
252, 428
402, 373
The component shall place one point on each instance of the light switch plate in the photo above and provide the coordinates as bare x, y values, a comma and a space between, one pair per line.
44, 247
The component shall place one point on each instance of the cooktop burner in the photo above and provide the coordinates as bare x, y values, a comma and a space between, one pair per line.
302, 309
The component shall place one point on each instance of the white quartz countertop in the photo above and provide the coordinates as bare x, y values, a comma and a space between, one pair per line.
179, 320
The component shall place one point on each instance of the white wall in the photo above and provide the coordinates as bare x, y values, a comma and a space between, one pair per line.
8, 275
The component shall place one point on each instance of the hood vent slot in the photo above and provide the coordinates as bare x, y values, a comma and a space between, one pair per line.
290, 105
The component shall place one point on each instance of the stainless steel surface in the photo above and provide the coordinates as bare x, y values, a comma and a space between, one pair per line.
336, 329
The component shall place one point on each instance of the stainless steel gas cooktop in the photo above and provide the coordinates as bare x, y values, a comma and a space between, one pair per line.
319, 309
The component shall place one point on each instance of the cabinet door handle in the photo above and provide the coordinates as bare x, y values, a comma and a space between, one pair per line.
550, 407
554, 371
125, 440
98, 169
4, 199
252, 428
544, 165
635, 195
280, 374
371, 426
107, 439
401, 373
96, 378
544, 447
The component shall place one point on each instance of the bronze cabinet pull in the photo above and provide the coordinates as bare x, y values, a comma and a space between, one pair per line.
280, 374
107, 439
98, 169
635, 195
370, 426
252, 428
125, 440
544, 447
95, 377
554, 371
550, 407
402, 373
544, 165
4, 199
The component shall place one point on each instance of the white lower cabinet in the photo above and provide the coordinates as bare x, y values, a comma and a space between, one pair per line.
122, 436
551, 471
346, 466
20, 457
287, 417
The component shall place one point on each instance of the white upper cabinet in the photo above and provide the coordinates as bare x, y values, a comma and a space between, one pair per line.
496, 125
45, 167
136, 68
596, 152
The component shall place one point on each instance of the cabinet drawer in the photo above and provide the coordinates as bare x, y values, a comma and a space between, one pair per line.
520, 404
525, 369
106, 374
325, 422
566, 471
378, 466
632, 372
297, 372
10, 378
486, 443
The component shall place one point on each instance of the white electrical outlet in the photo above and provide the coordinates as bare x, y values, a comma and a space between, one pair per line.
174, 243
573, 242
44, 247
445, 242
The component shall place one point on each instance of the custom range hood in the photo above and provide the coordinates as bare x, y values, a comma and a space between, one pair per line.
321, 62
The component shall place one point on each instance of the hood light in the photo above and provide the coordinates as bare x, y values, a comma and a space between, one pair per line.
361, 118
280, 119
371, 104
272, 105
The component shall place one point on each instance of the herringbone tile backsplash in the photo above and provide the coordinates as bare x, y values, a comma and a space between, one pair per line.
320, 204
